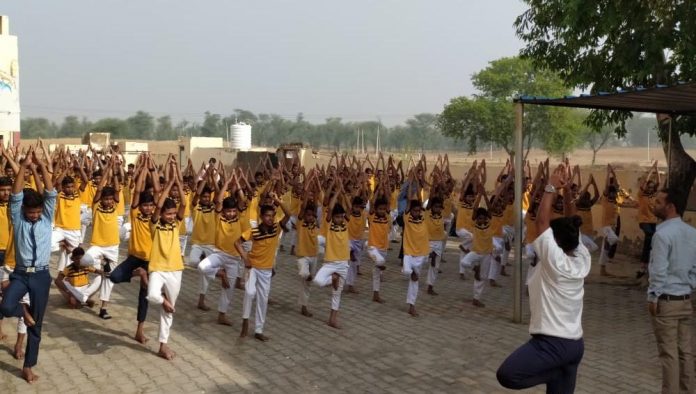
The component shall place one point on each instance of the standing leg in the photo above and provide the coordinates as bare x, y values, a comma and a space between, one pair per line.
172, 285
686, 360
666, 327
263, 289
340, 270
303, 265
39, 287
249, 295
227, 292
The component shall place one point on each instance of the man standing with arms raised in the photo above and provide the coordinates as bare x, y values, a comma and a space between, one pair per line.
672, 279
32, 217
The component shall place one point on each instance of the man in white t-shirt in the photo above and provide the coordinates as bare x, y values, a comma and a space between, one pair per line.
556, 290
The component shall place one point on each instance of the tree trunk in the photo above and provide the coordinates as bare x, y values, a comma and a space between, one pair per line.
594, 155
681, 167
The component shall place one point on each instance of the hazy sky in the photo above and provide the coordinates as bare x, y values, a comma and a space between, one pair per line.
355, 59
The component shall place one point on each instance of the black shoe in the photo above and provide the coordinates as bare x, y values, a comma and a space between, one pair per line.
104, 314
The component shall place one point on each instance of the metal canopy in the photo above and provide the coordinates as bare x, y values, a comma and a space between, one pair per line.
679, 99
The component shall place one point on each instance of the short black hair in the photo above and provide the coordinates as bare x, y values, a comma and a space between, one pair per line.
482, 212
414, 204
357, 200
206, 190
32, 199
566, 231
266, 208
67, 180
675, 196
145, 198
96, 173
338, 210
78, 251
5, 181
381, 201
229, 203
437, 200
108, 191
169, 203
311, 207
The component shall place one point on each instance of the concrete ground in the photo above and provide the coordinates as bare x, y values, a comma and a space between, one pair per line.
451, 347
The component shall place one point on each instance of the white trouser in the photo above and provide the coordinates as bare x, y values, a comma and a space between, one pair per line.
198, 253
124, 232
307, 267
82, 293
356, 248
105, 254
210, 266
188, 225
258, 285
412, 264
494, 268
85, 220
483, 261
71, 239
589, 243
120, 219
290, 236
394, 233
170, 282
379, 257
447, 224
610, 238
183, 241
467, 240
508, 237
323, 278
321, 241
436, 248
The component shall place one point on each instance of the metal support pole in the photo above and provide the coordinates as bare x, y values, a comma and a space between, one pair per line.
519, 182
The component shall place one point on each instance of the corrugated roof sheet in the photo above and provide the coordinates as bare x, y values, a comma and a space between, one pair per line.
679, 99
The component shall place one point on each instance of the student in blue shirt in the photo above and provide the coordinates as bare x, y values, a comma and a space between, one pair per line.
32, 217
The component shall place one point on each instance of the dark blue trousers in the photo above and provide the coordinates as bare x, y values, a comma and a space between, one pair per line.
37, 285
543, 360
124, 272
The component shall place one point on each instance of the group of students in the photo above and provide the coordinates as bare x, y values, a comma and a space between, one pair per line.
234, 220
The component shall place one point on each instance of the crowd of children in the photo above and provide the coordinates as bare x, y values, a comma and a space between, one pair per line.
335, 217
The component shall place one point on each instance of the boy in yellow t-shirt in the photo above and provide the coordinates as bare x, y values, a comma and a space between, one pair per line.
306, 251
378, 242
481, 254
356, 229
105, 234
416, 250
202, 235
434, 220
335, 268
225, 262
66, 231
259, 264
73, 282
165, 264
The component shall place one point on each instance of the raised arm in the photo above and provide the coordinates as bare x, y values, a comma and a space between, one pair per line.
558, 181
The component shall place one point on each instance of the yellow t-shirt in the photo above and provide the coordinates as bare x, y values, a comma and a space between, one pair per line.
508, 215
4, 226
10, 260
447, 206
306, 239
104, 226
187, 199
227, 232
394, 199
140, 241
586, 215
525, 198
337, 243
356, 225
254, 208
436, 228
646, 204
88, 195
165, 255
415, 236
483, 239
464, 213
77, 277
245, 223
264, 246
68, 211
378, 235
497, 224
295, 205
203, 232
324, 227
121, 204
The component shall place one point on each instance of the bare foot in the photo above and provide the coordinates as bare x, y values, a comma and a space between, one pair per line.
2, 336
90, 303
19, 352
28, 320
165, 352
223, 277
73, 303
202, 307
478, 303
352, 290
432, 291
377, 298
477, 272
334, 280
412, 310
29, 376
305, 312
462, 276
333, 324
168, 307
141, 338
239, 284
222, 319
245, 328
414, 276
260, 337
493, 283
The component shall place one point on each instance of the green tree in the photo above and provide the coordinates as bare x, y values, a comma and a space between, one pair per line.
489, 116
604, 45
117, 127
165, 130
212, 125
37, 127
71, 127
141, 126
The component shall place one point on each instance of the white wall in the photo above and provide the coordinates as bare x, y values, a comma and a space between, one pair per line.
9, 81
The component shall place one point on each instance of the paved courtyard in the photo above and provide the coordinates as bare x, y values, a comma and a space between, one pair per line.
451, 347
